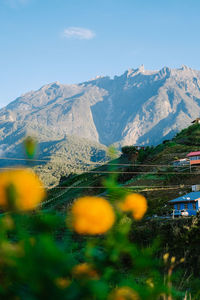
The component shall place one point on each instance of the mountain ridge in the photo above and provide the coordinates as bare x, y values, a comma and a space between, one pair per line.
138, 107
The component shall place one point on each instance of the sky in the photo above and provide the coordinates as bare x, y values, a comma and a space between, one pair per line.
72, 41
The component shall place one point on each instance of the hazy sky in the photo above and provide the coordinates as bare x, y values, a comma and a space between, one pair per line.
71, 41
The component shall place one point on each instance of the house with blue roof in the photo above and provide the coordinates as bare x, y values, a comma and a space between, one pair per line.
189, 202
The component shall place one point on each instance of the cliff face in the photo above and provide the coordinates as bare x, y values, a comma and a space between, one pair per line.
138, 107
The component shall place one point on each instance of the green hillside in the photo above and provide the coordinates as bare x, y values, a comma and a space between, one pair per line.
56, 158
68, 156
158, 254
151, 173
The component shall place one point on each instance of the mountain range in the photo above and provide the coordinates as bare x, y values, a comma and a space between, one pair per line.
139, 107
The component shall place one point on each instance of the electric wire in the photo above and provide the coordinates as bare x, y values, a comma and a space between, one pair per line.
91, 163
157, 173
145, 188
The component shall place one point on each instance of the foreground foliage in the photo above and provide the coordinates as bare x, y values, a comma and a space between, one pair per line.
85, 254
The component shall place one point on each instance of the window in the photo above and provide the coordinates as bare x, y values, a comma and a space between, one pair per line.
194, 205
178, 206
194, 157
186, 206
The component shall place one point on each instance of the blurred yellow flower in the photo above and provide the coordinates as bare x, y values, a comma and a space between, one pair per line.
10, 249
62, 283
92, 215
28, 188
135, 203
173, 259
165, 257
124, 293
150, 282
85, 270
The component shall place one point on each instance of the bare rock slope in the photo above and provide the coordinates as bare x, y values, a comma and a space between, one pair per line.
138, 107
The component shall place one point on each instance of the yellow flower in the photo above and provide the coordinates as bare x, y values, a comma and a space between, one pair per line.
62, 283
124, 293
165, 257
85, 270
173, 259
150, 282
29, 191
11, 249
92, 215
135, 203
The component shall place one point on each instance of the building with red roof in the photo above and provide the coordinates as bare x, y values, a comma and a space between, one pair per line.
194, 158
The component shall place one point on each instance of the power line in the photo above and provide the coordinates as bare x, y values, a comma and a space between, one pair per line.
119, 187
139, 172
22, 159
92, 163
46, 160
71, 187
123, 172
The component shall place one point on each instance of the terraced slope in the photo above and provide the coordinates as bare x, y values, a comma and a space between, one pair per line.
152, 174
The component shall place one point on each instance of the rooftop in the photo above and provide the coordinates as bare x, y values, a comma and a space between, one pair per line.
193, 153
193, 196
181, 159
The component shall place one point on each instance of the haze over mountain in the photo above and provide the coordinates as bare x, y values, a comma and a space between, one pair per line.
139, 107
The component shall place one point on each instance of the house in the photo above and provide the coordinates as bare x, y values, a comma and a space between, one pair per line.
196, 187
140, 147
190, 202
181, 162
194, 158
196, 121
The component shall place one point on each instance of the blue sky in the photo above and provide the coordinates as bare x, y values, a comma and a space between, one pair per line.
71, 41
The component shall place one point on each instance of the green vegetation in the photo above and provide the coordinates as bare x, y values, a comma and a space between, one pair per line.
45, 254
189, 136
58, 256
70, 155
152, 174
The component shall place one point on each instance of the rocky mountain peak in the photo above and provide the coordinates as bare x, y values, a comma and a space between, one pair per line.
133, 72
137, 107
